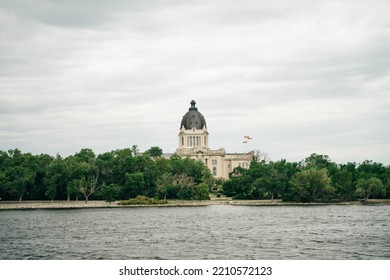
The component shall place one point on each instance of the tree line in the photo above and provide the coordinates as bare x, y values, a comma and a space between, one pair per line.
115, 175
316, 178
125, 173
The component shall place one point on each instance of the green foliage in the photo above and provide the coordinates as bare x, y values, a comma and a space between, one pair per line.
186, 186
125, 173
110, 193
312, 184
344, 181
17, 173
202, 192
316, 178
55, 178
154, 152
135, 184
242, 196
163, 183
142, 200
90, 175
369, 187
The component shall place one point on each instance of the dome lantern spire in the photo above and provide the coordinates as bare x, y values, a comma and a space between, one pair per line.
193, 108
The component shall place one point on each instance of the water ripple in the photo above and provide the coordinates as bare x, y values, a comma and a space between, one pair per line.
214, 232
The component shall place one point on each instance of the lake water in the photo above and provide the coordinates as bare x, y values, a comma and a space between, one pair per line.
212, 232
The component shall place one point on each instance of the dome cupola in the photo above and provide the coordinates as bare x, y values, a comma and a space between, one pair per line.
193, 118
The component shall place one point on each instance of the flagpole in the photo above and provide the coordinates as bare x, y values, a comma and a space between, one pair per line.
246, 141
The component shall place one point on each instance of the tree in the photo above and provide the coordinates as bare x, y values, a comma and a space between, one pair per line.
110, 192
85, 155
259, 156
163, 183
90, 168
74, 172
40, 163
368, 169
55, 178
273, 181
51, 191
230, 188
88, 186
202, 192
73, 189
134, 150
19, 174
20, 177
343, 182
154, 152
318, 161
312, 184
368, 187
122, 163
135, 184
186, 185
5, 164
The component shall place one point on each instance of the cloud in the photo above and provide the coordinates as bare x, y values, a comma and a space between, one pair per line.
300, 77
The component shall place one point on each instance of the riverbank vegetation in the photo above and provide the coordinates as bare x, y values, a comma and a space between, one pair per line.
115, 175
142, 200
125, 174
314, 179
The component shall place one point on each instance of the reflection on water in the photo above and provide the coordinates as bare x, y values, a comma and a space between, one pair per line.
213, 232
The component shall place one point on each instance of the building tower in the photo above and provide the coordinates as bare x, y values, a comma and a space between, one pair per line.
193, 131
194, 144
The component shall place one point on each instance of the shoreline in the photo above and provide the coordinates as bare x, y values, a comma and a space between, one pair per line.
60, 204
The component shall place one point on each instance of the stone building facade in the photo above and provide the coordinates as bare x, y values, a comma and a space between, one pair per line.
194, 143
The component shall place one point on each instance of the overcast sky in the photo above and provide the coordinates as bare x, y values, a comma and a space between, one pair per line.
300, 77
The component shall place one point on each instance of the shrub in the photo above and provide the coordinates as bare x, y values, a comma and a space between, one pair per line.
242, 196
141, 200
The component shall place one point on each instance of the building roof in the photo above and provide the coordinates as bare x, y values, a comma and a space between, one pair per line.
193, 118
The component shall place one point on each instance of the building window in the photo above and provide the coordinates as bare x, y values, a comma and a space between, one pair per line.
206, 161
214, 171
182, 141
214, 162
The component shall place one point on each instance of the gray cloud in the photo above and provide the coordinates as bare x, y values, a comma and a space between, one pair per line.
299, 77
